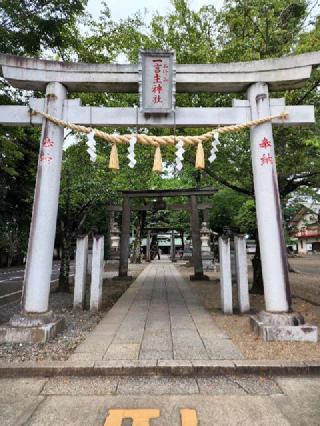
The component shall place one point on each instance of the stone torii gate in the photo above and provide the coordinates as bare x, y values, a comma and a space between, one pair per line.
57, 79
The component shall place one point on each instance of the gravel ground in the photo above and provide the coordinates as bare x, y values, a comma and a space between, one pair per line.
305, 286
77, 324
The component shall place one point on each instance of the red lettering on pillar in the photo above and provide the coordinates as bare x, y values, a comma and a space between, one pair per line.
265, 143
266, 159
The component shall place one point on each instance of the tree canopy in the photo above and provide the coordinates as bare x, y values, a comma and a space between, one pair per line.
240, 31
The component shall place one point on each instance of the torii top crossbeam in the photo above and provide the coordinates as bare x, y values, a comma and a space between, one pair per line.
284, 73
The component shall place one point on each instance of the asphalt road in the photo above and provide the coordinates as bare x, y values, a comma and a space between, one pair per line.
11, 282
160, 401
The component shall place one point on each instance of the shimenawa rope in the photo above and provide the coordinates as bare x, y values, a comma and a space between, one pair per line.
157, 141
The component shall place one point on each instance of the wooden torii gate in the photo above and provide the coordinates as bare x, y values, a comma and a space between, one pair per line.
193, 206
59, 78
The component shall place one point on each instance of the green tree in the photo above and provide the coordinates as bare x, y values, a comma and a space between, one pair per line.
29, 27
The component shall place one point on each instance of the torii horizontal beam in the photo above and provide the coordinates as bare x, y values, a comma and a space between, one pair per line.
288, 72
151, 207
164, 193
130, 117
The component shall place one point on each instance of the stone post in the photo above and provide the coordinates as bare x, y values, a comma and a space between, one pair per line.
196, 241
97, 273
269, 216
242, 273
225, 276
80, 273
124, 238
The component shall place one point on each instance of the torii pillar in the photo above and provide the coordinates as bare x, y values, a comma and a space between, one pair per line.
196, 241
35, 323
124, 239
278, 322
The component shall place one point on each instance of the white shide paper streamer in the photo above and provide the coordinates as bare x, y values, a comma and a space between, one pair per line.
131, 156
91, 144
214, 149
179, 155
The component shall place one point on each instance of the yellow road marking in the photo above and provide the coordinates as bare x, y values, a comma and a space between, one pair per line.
188, 417
140, 417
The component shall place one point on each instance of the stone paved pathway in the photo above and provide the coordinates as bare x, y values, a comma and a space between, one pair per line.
157, 318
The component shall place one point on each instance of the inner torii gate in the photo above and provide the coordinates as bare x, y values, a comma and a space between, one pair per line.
193, 206
59, 78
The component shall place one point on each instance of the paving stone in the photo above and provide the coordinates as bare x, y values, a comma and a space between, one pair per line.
129, 336
257, 385
186, 336
161, 340
81, 386
17, 411
221, 349
210, 331
157, 386
122, 351
70, 410
212, 367
300, 402
174, 363
86, 356
188, 352
95, 345
158, 325
155, 354
219, 385
182, 323
133, 367
18, 387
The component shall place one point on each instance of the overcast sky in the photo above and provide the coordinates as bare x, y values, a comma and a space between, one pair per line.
123, 8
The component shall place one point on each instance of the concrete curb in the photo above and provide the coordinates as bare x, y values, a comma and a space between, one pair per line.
158, 368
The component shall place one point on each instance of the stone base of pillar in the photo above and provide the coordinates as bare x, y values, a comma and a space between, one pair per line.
199, 277
283, 327
31, 328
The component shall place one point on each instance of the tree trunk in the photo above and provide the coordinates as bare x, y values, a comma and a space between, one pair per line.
136, 255
182, 240
257, 287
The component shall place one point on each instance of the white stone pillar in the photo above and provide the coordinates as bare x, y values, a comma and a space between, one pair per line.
37, 278
80, 277
97, 273
225, 276
269, 216
242, 273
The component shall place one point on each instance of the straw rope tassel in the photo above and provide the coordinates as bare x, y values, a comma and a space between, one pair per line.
114, 159
200, 157
157, 162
